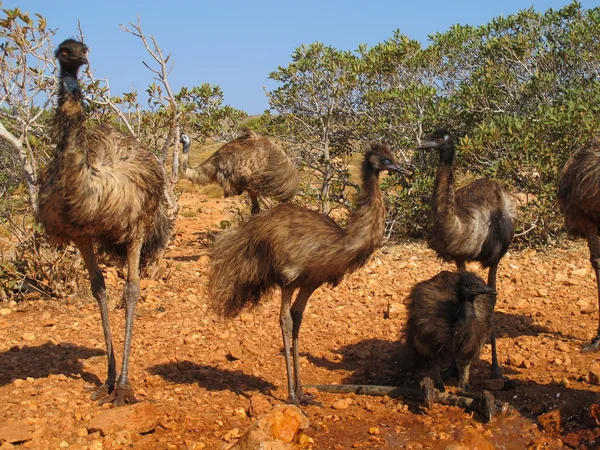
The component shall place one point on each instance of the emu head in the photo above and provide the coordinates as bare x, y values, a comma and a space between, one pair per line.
470, 286
380, 157
439, 139
186, 141
71, 55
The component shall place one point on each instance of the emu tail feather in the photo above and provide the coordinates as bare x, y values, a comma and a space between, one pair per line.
240, 272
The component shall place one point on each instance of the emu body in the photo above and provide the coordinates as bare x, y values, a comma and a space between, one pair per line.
249, 163
579, 198
450, 317
474, 223
295, 248
102, 189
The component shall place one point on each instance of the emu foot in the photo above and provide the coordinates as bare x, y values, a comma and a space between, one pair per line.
429, 392
121, 395
487, 405
593, 346
303, 399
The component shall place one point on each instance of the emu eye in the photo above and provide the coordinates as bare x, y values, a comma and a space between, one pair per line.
439, 140
64, 52
473, 286
386, 161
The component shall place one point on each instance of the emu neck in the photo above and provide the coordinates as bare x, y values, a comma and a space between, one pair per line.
205, 173
364, 231
444, 199
69, 119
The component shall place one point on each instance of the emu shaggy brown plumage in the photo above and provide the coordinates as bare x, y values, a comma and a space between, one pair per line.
297, 249
249, 163
474, 223
579, 198
449, 319
102, 189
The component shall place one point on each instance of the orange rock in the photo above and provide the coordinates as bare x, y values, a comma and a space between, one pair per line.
550, 421
137, 418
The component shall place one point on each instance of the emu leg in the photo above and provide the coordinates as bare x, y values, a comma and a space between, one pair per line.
123, 393
98, 287
437, 376
254, 202
594, 246
491, 282
286, 324
463, 382
297, 313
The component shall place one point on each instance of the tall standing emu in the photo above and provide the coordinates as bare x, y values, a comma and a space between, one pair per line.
579, 199
297, 249
249, 163
473, 223
449, 318
102, 189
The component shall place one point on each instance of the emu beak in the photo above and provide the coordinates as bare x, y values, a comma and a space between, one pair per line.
426, 145
83, 59
396, 168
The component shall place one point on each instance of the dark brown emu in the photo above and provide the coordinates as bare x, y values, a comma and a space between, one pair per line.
297, 249
449, 319
102, 189
473, 223
579, 198
249, 163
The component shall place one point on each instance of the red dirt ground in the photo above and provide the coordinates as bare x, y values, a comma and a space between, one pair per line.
212, 377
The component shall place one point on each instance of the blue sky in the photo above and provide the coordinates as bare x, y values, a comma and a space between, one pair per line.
236, 44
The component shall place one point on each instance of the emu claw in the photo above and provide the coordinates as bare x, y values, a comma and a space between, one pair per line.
593, 346
303, 399
429, 392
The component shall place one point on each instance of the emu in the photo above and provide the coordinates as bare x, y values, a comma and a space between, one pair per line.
297, 249
474, 223
105, 190
249, 163
579, 199
449, 318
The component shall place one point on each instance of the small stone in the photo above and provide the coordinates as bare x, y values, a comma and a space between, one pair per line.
541, 292
18, 382
550, 421
374, 431
494, 384
516, 360
259, 404
96, 445
594, 374
28, 337
137, 418
81, 432
5, 311
341, 404
562, 347
580, 272
12, 432
518, 303
231, 435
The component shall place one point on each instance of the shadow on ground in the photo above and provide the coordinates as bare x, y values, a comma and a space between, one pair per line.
210, 377
46, 359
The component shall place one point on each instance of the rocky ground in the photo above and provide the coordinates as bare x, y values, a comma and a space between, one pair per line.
202, 380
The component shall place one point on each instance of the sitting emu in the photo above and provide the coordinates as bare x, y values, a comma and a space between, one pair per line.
450, 318
297, 249
249, 163
473, 223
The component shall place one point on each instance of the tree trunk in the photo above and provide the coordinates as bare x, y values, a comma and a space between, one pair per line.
26, 164
175, 168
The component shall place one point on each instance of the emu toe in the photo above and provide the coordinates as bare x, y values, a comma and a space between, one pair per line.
593, 346
429, 392
102, 391
488, 405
